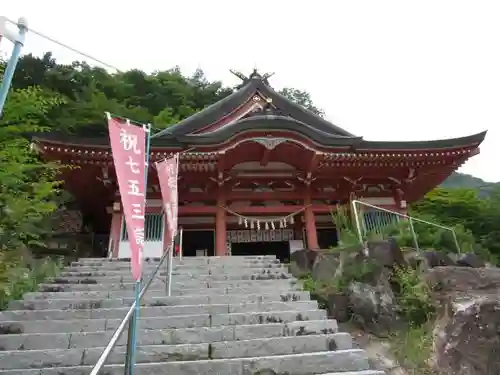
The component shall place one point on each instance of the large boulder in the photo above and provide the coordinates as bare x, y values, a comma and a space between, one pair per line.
337, 305
386, 253
425, 260
301, 262
467, 337
470, 260
459, 281
373, 305
325, 266
467, 332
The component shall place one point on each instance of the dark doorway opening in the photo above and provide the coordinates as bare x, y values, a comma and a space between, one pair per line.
280, 249
196, 240
327, 238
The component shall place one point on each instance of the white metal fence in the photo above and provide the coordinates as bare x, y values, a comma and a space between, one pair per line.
370, 219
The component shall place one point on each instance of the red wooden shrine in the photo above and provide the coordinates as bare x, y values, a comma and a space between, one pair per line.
258, 159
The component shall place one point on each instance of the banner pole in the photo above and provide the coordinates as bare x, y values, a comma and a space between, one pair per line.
135, 317
170, 266
180, 243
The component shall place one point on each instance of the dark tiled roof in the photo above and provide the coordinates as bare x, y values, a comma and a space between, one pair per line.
227, 105
269, 122
470, 140
284, 115
276, 123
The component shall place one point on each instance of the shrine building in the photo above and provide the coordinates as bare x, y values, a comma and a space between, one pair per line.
258, 174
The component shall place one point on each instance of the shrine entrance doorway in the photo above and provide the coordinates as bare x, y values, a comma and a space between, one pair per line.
281, 249
261, 242
198, 242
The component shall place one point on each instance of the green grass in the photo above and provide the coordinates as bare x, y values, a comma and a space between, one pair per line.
16, 278
412, 349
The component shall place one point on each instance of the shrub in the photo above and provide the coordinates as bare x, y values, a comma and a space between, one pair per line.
413, 296
16, 278
412, 349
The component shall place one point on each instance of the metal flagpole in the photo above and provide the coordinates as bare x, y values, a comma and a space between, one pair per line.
170, 266
18, 40
181, 233
147, 129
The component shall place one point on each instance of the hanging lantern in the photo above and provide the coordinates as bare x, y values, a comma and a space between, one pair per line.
251, 225
282, 223
240, 220
292, 220
258, 225
272, 225
267, 225
246, 223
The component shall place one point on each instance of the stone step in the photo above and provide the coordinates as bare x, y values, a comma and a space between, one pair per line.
200, 274
296, 364
197, 335
178, 278
176, 261
147, 270
176, 272
156, 292
162, 322
119, 313
96, 303
20, 359
160, 285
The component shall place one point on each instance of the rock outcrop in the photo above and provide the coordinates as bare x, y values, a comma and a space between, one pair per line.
373, 305
465, 292
467, 331
467, 336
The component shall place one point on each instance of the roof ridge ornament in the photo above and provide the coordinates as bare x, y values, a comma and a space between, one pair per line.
254, 75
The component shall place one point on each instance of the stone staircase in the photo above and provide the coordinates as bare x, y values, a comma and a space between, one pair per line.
226, 316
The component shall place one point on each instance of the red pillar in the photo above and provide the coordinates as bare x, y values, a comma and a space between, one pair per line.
220, 226
310, 223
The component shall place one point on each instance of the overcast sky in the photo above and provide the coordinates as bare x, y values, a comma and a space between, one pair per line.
386, 70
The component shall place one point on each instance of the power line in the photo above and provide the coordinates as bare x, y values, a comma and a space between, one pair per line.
64, 45
86, 55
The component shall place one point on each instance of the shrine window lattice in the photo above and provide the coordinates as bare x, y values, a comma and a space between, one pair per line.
153, 228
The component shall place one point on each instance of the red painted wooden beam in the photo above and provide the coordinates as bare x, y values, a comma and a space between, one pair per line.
252, 196
265, 196
253, 210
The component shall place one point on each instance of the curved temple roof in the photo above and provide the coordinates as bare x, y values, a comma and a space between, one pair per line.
289, 117
251, 86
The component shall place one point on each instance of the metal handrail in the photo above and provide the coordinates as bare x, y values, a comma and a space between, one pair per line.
119, 331
409, 218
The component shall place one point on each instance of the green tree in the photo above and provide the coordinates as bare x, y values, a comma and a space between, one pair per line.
303, 98
28, 187
473, 215
163, 97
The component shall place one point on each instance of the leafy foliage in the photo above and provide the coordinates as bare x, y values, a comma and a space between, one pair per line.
414, 296
474, 218
346, 230
303, 98
28, 187
412, 348
16, 278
